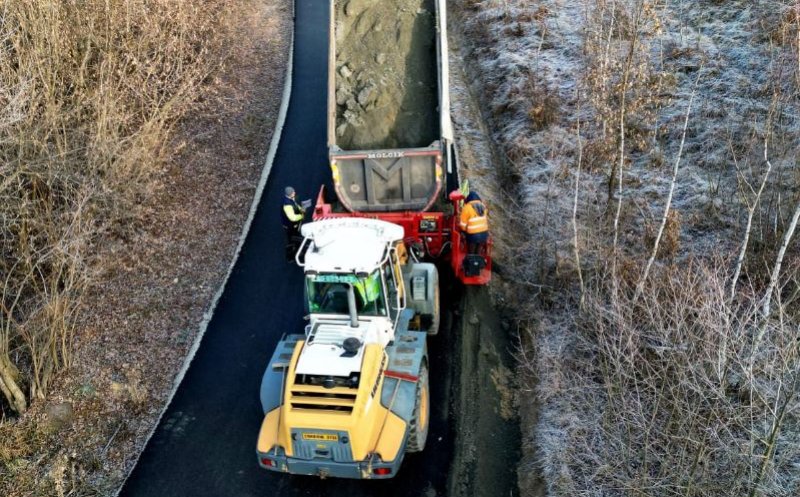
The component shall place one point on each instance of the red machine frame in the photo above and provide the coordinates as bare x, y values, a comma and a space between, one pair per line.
430, 231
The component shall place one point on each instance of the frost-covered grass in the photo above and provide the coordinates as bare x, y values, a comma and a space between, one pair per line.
680, 392
558, 80
543, 70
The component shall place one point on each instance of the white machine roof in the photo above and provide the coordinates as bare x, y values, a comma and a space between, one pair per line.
322, 353
348, 244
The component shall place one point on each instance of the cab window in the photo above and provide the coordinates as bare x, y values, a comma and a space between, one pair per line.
327, 294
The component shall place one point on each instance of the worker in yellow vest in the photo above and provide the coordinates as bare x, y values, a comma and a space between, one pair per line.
475, 223
292, 215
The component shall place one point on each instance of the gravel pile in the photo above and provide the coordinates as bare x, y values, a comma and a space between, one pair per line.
386, 76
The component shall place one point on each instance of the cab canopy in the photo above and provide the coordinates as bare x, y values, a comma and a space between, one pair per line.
348, 245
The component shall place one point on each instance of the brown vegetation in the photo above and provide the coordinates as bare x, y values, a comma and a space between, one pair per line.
90, 92
132, 135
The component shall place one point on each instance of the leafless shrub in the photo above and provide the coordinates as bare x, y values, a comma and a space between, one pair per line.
670, 242
89, 92
623, 86
672, 394
544, 111
783, 25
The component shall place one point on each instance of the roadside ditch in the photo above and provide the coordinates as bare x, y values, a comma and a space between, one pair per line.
491, 457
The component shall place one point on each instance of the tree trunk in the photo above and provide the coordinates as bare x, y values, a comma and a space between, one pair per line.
8, 385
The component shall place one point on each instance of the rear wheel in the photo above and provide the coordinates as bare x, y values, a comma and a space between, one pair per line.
420, 421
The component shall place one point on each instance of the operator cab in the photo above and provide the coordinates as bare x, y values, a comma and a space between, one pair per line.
357, 274
352, 268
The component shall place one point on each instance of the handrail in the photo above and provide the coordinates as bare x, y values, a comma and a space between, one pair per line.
300, 251
400, 286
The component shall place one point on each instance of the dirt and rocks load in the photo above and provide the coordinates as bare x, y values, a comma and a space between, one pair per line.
386, 76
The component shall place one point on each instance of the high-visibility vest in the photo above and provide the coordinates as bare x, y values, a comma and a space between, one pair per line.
370, 288
292, 212
474, 218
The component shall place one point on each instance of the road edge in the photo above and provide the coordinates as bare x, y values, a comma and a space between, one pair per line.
488, 441
262, 182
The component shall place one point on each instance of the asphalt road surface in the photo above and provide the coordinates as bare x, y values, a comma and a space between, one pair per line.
205, 443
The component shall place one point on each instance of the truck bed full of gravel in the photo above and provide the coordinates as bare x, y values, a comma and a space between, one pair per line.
386, 77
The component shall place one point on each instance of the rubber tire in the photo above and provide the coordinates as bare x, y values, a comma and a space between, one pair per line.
417, 435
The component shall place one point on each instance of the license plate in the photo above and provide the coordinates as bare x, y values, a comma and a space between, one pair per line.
322, 437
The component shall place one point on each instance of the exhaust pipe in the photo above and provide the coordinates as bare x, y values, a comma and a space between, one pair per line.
351, 306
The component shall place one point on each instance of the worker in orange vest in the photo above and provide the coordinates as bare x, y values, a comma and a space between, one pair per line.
475, 223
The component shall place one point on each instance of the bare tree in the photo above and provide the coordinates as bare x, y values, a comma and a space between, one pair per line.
776, 268
749, 226
668, 204
575, 246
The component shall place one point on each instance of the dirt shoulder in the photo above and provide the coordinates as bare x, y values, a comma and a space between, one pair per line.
141, 317
488, 445
489, 457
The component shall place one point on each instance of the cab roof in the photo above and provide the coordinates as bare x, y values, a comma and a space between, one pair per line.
351, 245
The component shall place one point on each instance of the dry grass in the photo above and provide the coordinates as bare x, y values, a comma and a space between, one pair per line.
680, 391
89, 92
175, 156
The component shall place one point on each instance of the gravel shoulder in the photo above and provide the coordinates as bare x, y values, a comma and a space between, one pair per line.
141, 317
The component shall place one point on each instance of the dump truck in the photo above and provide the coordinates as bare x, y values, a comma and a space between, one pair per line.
391, 148
349, 397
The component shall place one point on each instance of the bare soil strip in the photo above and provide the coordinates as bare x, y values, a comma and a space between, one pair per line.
488, 444
490, 453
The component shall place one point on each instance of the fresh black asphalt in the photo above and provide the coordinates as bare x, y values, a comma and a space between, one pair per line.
205, 443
